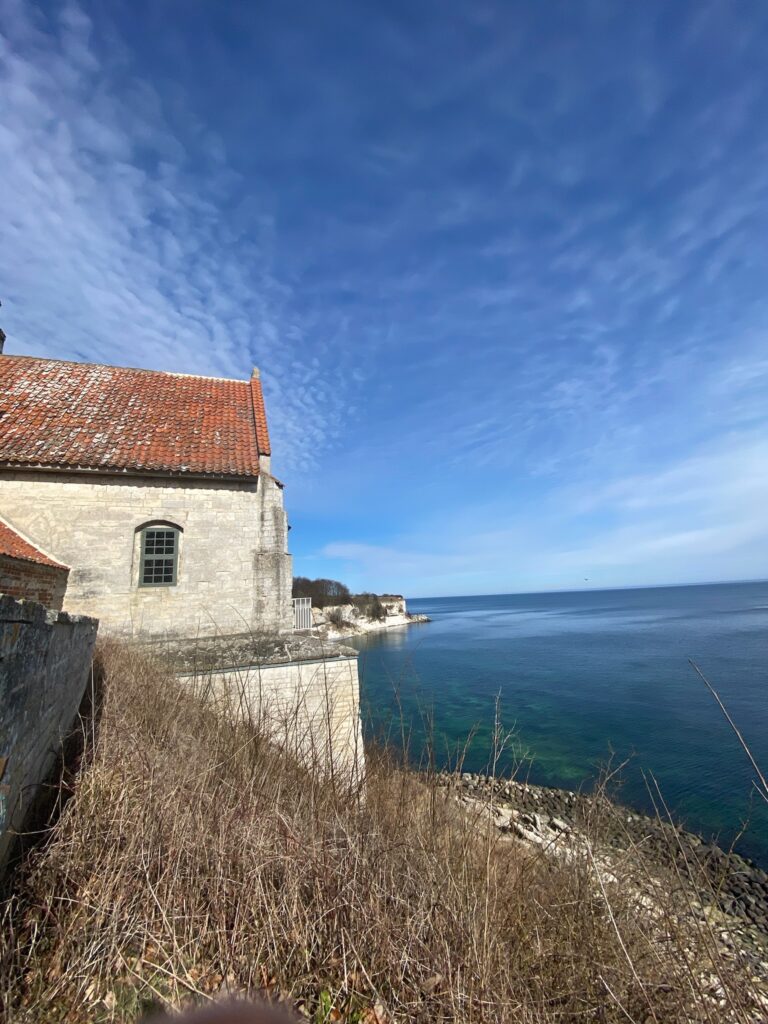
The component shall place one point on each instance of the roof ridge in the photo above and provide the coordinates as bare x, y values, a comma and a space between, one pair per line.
133, 369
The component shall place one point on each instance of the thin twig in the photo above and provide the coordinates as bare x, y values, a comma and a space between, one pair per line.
763, 783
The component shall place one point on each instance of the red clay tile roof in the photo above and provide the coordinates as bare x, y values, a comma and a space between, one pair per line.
14, 545
87, 416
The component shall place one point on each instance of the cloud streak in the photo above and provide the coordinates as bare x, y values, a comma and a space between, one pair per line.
687, 523
503, 271
115, 246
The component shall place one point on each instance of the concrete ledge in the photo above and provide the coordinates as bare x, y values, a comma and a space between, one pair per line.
219, 653
249, 669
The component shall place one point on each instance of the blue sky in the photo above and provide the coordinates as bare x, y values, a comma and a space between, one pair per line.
504, 265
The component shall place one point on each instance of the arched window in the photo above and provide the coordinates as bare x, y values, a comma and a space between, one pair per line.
159, 555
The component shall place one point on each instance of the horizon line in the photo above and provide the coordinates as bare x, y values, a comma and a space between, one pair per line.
593, 590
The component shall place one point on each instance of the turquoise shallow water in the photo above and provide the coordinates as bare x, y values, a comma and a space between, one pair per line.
589, 676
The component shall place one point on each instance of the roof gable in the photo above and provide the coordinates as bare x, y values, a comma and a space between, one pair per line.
13, 545
59, 414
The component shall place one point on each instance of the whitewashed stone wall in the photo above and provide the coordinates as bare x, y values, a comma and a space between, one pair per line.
234, 571
311, 708
45, 661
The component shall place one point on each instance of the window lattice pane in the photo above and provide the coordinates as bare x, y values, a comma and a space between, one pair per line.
159, 542
159, 554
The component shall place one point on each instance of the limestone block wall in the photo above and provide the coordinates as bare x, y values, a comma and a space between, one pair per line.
33, 581
45, 660
234, 571
311, 708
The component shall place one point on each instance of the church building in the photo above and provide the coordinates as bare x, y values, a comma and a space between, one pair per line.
147, 495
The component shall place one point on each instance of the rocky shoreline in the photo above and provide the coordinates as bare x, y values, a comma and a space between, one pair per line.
732, 891
338, 622
362, 628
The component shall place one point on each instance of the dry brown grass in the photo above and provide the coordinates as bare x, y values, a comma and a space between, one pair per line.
195, 860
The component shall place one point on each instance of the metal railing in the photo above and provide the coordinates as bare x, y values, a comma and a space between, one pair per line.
302, 612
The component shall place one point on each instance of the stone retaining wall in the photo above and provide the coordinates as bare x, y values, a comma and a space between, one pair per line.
45, 660
311, 706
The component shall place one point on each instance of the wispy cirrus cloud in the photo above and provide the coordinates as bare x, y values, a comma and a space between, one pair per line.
503, 269
687, 522
120, 244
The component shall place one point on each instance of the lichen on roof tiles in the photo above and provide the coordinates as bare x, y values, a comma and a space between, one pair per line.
89, 416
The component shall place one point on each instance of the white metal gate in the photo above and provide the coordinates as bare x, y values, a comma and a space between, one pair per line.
302, 613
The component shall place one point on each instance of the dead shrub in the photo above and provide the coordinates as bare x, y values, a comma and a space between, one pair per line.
195, 861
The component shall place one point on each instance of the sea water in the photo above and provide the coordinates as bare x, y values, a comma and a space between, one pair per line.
590, 679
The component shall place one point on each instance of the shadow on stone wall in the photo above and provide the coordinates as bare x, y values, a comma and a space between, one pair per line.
47, 681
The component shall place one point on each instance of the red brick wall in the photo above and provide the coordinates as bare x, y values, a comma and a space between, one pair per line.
29, 581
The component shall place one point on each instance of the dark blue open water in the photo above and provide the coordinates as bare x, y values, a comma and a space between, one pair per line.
584, 675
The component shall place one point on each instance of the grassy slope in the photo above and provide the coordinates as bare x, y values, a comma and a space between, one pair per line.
194, 860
